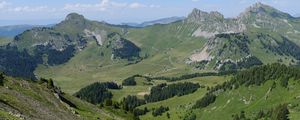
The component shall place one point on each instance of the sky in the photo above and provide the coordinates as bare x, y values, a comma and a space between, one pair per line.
41, 12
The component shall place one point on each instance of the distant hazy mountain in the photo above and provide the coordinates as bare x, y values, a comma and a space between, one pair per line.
297, 15
159, 21
13, 30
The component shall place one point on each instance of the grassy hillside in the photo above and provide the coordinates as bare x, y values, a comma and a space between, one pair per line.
5, 40
22, 99
252, 100
253, 92
180, 106
250, 97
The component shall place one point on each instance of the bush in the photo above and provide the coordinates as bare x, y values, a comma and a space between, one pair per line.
50, 84
129, 81
1, 79
160, 111
138, 112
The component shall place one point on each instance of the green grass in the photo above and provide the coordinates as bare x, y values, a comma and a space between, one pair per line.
231, 102
34, 100
258, 50
5, 40
92, 112
6, 116
179, 106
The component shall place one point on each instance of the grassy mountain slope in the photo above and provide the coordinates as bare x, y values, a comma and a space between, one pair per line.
256, 90
251, 99
22, 99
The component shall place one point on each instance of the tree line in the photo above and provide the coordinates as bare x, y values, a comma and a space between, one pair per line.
247, 62
2, 79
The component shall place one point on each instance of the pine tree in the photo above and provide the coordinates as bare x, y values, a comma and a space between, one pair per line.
1, 79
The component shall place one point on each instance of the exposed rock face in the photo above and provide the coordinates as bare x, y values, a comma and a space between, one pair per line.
220, 31
200, 16
264, 16
257, 16
260, 9
203, 55
210, 24
97, 35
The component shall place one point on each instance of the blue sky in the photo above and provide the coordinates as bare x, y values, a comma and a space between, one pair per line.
119, 11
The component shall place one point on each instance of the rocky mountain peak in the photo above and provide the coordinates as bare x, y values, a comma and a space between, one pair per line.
198, 15
217, 14
260, 9
257, 8
74, 16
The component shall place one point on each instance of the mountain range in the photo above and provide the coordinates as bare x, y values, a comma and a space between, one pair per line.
13, 30
234, 61
215, 43
297, 15
159, 21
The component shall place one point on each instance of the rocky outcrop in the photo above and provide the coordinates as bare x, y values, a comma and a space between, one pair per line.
98, 35
210, 24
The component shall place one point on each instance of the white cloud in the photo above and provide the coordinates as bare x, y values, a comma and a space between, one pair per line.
116, 4
154, 6
29, 9
195, 0
136, 5
3, 4
10, 7
104, 5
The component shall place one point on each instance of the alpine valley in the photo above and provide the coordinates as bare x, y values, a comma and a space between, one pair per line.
203, 66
